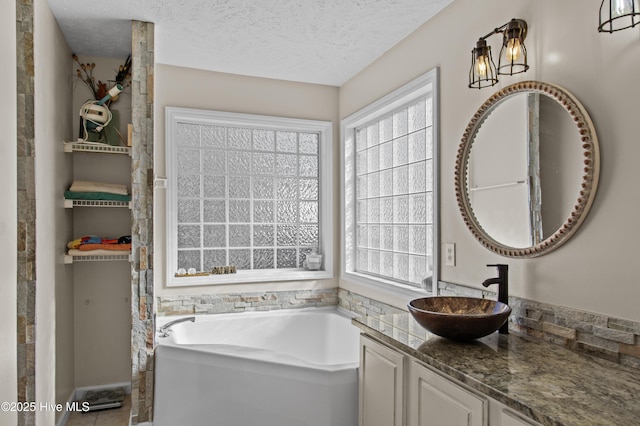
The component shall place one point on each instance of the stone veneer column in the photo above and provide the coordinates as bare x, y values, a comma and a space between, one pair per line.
26, 206
142, 324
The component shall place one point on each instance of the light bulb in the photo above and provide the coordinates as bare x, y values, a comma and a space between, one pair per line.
514, 49
621, 7
482, 65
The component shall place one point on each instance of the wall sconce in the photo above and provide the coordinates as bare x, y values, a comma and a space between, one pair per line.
616, 15
512, 60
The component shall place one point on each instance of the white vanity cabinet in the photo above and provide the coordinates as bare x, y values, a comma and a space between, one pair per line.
434, 400
507, 417
380, 384
396, 389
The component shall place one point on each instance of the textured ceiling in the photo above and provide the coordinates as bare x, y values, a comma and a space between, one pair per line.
316, 41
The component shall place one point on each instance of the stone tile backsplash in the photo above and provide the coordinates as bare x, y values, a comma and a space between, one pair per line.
605, 337
244, 302
614, 339
363, 305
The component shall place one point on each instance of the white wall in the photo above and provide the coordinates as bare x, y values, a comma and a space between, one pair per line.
191, 88
54, 340
8, 214
596, 270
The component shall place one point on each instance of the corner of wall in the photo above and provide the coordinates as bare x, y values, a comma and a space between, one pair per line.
8, 215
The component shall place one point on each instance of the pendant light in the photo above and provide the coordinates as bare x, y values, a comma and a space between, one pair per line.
616, 15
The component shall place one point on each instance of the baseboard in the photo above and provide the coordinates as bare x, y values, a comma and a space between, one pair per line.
78, 393
62, 421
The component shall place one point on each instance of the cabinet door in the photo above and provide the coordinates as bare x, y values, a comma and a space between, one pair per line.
380, 384
436, 401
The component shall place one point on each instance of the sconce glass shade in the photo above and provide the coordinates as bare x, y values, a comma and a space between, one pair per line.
616, 15
483, 70
513, 55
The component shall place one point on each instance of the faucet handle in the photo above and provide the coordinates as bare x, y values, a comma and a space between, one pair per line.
501, 266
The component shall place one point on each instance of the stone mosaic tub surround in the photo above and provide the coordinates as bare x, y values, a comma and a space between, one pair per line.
245, 302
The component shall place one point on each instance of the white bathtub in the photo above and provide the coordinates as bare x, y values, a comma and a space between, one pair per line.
277, 368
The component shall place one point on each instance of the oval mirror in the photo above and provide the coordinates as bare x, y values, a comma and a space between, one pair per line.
527, 169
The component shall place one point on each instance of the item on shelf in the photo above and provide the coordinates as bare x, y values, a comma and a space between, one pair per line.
88, 186
196, 274
93, 242
98, 252
191, 272
105, 196
86, 190
105, 398
218, 270
98, 123
96, 116
99, 89
110, 247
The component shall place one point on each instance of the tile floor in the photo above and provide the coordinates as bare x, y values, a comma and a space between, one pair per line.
109, 417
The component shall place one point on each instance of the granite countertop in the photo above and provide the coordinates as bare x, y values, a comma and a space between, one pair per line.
543, 381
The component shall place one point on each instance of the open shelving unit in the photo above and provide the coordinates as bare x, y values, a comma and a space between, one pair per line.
99, 148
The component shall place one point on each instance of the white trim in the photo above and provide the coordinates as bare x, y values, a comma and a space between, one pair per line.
426, 83
255, 276
325, 198
65, 415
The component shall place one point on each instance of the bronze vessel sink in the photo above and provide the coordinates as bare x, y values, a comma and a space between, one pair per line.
459, 318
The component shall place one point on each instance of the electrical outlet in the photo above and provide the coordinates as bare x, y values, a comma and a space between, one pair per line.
450, 254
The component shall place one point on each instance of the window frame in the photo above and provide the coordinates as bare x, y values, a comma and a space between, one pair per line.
324, 129
422, 85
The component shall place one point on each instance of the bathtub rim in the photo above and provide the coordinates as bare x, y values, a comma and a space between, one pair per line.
255, 354
161, 320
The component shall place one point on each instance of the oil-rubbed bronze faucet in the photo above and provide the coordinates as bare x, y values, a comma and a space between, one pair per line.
503, 289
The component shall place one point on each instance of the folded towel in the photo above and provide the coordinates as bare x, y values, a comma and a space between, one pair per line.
87, 186
71, 195
110, 247
93, 239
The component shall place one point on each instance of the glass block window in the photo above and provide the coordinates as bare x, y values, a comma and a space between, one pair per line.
390, 178
246, 195
394, 194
